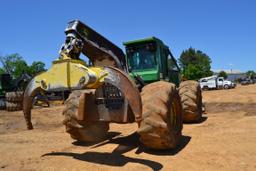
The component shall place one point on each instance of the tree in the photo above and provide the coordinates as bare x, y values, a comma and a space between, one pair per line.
36, 67
195, 64
251, 74
192, 72
15, 65
2, 71
223, 74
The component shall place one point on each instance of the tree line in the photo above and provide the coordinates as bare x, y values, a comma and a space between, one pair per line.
15, 65
249, 74
194, 65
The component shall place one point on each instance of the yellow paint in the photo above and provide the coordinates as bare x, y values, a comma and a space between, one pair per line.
66, 73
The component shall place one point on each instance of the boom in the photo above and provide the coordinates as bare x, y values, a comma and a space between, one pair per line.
100, 51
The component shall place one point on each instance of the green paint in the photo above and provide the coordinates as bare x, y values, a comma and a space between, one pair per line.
152, 60
147, 75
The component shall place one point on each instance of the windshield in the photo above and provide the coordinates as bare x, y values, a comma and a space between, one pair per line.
142, 59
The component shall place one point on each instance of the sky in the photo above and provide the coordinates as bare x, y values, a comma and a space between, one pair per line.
223, 29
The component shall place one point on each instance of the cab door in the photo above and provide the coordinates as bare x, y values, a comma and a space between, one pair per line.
220, 82
172, 69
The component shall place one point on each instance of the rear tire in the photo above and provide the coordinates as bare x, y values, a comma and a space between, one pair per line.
191, 100
16, 96
161, 125
10, 106
88, 131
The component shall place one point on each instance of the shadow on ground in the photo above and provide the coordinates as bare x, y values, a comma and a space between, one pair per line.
202, 120
110, 135
125, 144
110, 159
183, 143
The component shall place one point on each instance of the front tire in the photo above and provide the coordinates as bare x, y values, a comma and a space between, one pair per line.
82, 131
226, 86
205, 88
161, 125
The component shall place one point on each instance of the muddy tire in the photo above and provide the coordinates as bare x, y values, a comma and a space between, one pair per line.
161, 124
16, 96
191, 100
11, 106
82, 131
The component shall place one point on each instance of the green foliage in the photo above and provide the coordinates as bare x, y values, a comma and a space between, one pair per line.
250, 74
36, 67
15, 65
223, 74
2, 71
195, 64
192, 72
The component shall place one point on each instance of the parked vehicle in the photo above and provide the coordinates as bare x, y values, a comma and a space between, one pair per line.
215, 82
247, 81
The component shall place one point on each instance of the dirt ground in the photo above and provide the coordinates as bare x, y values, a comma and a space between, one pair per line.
224, 140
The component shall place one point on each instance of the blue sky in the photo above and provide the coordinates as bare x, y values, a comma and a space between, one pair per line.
223, 29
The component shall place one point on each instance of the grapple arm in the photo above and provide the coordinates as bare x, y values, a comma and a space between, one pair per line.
72, 75
80, 38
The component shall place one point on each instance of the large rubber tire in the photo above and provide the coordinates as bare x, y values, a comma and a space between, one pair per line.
90, 131
161, 125
16, 96
191, 100
11, 106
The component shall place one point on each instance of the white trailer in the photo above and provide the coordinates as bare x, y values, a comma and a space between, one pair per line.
215, 82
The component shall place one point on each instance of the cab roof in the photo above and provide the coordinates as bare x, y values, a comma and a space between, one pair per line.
146, 40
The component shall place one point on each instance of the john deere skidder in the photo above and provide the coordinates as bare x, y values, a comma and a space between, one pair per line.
104, 92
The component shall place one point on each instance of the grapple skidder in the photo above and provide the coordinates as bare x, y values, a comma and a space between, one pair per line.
104, 92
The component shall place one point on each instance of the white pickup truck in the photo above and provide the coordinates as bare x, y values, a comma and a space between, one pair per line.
215, 82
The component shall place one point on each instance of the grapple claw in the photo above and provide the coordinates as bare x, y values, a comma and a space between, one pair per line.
29, 94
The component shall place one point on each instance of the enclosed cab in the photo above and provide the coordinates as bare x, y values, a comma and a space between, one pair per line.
152, 60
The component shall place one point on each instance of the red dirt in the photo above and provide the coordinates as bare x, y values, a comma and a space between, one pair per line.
224, 140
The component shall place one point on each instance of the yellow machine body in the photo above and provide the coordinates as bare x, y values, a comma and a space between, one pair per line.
68, 74
73, 74
110, 95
